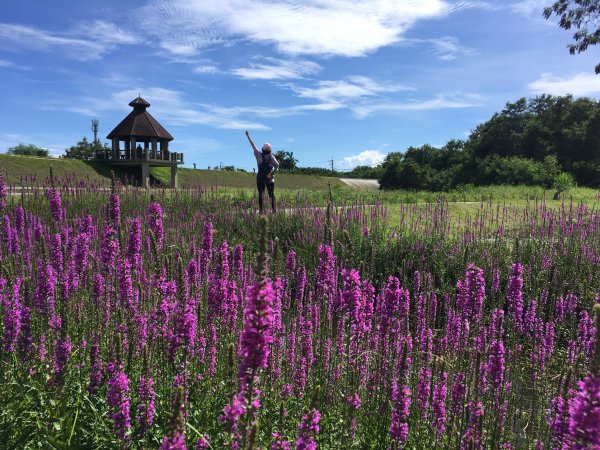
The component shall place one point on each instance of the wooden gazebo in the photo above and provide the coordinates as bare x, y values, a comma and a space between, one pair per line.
145, 144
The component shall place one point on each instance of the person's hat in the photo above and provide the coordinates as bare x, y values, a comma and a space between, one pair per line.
266, 147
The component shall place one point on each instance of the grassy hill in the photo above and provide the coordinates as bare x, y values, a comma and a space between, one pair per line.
33, 171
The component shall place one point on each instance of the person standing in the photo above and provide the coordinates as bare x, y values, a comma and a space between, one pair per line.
267, 165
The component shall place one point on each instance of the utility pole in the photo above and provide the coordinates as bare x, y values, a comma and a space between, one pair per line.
95, 130
331, 161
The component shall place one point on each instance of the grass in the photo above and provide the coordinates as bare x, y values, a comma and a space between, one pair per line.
32, 171
244, 180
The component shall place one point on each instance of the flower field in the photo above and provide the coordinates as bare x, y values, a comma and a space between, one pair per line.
184, 319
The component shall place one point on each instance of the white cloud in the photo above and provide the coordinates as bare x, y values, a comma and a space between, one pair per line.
447, 48
88, 41
351, 88
365, 158
106, 32
273, 69
206, 70
169, 107
529, 7
439, 102
313, 27
580, 84
11, 65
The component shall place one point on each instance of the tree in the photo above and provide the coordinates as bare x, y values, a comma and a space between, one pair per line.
28, 150
578, 14
286, 160
84, 150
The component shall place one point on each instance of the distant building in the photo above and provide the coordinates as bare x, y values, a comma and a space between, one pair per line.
145, 144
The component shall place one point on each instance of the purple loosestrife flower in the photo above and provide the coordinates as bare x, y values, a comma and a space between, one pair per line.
203, 442
495, 281
155, 223
62, 353
126, 284
495, 366
95, 366
586, 333
559, 420
56, 211
175, 442
400, 413
325, 272
135, 243
308, 428
458, 394
118, 402
423, 390
290, 263
109, 248
114, 209
515, 297
11, 307
256, 335
25, 334
439, 405
352, 298
584, 410
417, 283
56, 254
146, 407
238, 263
280, 443
475, 285
207, 243
3, 194
529, 321
224, 261
472, 438
19, 219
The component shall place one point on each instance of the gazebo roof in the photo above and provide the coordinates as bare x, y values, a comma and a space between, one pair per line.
140, 124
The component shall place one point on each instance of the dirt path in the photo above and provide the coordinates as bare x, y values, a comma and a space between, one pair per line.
361, 184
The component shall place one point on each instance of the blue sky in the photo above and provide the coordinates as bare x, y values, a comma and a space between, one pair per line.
345, 79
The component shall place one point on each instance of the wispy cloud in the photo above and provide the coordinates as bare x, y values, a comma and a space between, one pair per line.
207, 69
11, 65
277, 69
88, 41
580, 84
350, 88
365, 158
313, 27
445, 101
529, 7
448, 48
168, 106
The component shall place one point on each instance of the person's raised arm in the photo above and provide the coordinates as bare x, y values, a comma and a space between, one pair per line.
256, 152
274, 162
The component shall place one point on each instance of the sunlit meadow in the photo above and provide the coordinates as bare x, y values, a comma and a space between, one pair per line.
183, 318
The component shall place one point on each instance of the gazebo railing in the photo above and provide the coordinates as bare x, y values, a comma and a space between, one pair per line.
140, 155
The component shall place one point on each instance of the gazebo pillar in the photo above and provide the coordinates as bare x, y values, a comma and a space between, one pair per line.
132, 149
174, 176
154, 148
145, 175
115, 147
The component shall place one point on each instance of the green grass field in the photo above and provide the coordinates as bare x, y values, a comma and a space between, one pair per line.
32, 171
464, 203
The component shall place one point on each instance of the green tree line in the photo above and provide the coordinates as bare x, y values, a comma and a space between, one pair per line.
531, 141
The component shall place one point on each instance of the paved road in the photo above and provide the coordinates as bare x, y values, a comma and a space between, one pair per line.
357, 183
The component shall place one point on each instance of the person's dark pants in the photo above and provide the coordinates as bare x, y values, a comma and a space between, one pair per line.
261, 190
